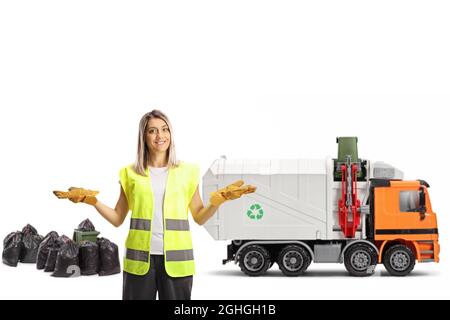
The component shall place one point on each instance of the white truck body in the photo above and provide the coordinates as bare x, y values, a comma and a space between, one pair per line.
298, 199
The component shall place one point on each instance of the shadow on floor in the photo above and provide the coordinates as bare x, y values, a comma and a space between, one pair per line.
275, 273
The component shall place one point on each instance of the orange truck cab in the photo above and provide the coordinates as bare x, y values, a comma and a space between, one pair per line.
403, 223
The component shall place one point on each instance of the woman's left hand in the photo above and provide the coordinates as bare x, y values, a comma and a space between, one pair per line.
230, 192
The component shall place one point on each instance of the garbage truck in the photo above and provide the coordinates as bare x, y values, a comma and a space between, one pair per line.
334, 210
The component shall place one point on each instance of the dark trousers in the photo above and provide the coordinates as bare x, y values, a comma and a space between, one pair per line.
156, 280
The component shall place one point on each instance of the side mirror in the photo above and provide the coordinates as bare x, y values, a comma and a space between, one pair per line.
422, 203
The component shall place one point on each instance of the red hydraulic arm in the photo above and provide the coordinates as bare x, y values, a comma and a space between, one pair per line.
349, 205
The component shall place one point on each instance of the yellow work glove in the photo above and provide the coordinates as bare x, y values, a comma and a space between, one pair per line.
78, 195
231, 192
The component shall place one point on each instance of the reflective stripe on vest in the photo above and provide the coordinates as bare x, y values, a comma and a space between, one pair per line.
179, 255
140, 224
177, 225
137, 255
171, 255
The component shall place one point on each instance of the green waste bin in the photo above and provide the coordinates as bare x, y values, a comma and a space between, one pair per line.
347, 146
79, 236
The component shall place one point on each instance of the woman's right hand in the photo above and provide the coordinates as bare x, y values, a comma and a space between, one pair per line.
77, 195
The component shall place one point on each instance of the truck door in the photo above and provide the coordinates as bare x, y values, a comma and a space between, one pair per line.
403, 210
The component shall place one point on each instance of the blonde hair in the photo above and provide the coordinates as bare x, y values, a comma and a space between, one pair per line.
143, 153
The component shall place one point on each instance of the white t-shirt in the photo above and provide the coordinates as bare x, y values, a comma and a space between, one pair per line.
158, 178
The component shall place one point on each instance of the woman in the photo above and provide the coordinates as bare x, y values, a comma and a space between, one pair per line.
158, 190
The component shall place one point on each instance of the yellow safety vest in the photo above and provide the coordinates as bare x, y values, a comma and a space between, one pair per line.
181, 184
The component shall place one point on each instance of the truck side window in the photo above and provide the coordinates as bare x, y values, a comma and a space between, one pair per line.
409, 201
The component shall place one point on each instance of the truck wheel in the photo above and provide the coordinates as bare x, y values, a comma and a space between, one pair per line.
254, 260
399, 260
360, 260
293, 260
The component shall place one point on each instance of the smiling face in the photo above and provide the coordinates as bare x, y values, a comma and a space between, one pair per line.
157, 136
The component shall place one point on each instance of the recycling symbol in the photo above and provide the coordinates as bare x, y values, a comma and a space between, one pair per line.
255, 212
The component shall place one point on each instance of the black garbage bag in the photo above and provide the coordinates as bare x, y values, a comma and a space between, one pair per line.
67, 264
51, 259
31, 241
44, 247
63, 239
109, 257
12, 245
86, 225
89, 258
53, 253
29, 229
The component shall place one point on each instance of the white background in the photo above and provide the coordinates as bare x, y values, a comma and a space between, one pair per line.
246, 79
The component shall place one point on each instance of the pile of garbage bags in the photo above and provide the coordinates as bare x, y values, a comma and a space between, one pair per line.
60, 254
21, 246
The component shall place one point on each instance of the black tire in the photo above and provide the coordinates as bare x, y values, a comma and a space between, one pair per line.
254, 260
360, 260
399, 260
293, 260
